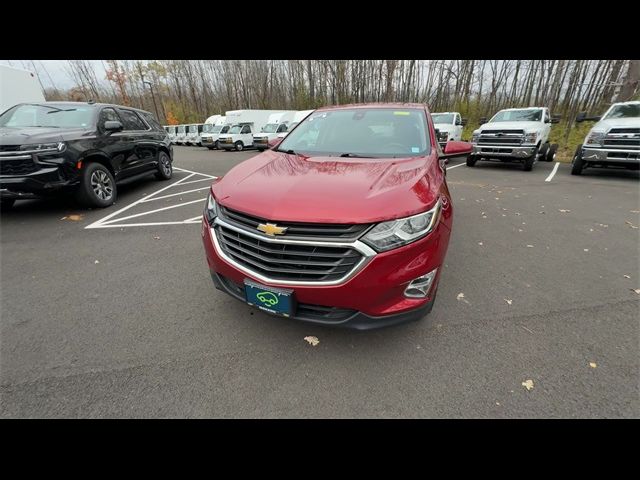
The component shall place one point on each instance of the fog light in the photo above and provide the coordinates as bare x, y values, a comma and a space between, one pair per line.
419, 288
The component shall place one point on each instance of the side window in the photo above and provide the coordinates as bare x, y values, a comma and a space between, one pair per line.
546, 116
108, 114
132, 121
282, 128
200, 128
151, 120
246, 129
458, 119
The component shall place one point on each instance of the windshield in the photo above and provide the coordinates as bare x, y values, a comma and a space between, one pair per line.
235, 129
361, 132
61, 116
527, 115
630, 110
208, 127
270, 128
442, 118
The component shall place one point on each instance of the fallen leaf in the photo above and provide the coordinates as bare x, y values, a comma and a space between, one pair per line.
586, 249
508, 301
630, 224
564, 211
517, 214
637, 290
497, 198
156, 238
498, 403
603, 225
542, 212
528, 384
529, 246
73, 218
96, 262
634, 211
591, 229
312, 340
592, 364
626, 276
461, 297
480, 243
520, 230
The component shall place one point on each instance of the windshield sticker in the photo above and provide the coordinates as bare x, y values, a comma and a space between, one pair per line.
401, 113
415, 149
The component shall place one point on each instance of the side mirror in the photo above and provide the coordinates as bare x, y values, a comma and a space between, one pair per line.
555, 120
111, 126
483, 120
581, 117
457, 149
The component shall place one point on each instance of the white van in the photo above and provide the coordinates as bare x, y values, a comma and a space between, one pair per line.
181, 134
18, 86
278, 123
212, 130
193, 134
297, 118
244, 124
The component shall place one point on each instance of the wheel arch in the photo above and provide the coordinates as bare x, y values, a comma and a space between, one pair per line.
99, 158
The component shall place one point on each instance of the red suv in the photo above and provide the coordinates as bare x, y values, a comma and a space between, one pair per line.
346, 222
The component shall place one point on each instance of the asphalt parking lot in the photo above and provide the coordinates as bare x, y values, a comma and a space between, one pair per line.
112, 313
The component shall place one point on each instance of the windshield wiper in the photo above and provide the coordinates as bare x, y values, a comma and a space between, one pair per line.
61, 110
290, 152
353, 155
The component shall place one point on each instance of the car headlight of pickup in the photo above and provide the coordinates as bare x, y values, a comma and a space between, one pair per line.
530, 137
396, 233
595, 138
46, 147
443, 136
211, 210
475, 137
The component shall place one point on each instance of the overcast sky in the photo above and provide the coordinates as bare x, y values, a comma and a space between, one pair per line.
53, 72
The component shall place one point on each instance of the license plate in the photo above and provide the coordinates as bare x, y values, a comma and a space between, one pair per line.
278, 301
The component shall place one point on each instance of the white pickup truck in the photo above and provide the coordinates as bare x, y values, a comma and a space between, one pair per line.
612, 142
449, 126
515, 135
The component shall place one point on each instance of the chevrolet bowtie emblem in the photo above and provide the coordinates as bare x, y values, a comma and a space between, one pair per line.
271, 229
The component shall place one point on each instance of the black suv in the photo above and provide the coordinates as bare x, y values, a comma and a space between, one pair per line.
85, 148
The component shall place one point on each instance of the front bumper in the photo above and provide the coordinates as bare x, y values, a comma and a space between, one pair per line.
260, 143
493, 151
44, 181
227, 145
611, 155
374, 295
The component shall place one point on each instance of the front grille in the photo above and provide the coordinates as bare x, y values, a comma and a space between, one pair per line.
304, 311
623, 156
287, 262
324, 231
625, 130
9, 148
17, 166
501, 137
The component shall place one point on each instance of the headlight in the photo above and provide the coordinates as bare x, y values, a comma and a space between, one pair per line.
531, 137
395, 233
57, 146
475, 137
595, 138
443, 137
211, 210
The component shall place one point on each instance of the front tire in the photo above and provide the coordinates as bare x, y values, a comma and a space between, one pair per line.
577, 163
97, 186
210, 148
527, 165
239, 146
165, 169
217, 145
471, 160
551, 153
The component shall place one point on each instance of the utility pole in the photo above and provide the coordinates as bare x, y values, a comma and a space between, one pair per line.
153, 97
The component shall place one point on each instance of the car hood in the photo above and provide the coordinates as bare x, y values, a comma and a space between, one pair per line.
444, 127
24, 136
283, 187
527, 126
605, 125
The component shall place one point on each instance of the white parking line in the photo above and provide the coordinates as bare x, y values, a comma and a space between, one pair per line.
110, 222
455, 166
174, 194
553, 172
